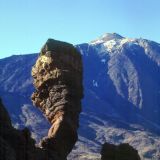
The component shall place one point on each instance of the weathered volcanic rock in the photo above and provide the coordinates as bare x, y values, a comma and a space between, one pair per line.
58, 81
57, 78
120, 152
16, 144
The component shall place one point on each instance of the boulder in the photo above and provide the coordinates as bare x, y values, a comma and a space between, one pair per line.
120, 152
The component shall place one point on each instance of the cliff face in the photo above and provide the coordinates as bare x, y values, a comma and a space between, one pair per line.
58, 81
121, 152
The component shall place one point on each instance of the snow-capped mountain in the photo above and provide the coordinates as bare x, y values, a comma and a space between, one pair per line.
127, 71
121, 95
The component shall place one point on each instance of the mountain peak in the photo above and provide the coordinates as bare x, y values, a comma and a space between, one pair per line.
110, 36
107, 37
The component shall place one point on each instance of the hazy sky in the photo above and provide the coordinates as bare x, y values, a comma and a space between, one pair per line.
25, 25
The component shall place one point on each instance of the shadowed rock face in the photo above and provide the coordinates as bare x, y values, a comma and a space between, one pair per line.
57, 78
120, 152
16, 144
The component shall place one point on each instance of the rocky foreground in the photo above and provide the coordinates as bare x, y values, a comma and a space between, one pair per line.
18, 145
119, 152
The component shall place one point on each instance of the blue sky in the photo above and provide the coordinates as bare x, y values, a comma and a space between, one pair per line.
25, 25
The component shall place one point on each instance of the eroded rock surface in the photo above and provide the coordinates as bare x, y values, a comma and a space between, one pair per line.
121, 152
57, 78
58, 81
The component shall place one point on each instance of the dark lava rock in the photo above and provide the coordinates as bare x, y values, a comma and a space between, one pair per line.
120, 152
15, 144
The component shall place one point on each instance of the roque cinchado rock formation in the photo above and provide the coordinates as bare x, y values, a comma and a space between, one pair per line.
58, 81
57, 78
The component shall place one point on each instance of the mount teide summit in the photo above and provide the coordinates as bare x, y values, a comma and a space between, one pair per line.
121, 95
126, 73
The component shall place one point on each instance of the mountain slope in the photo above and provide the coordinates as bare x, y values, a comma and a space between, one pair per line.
121, 101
